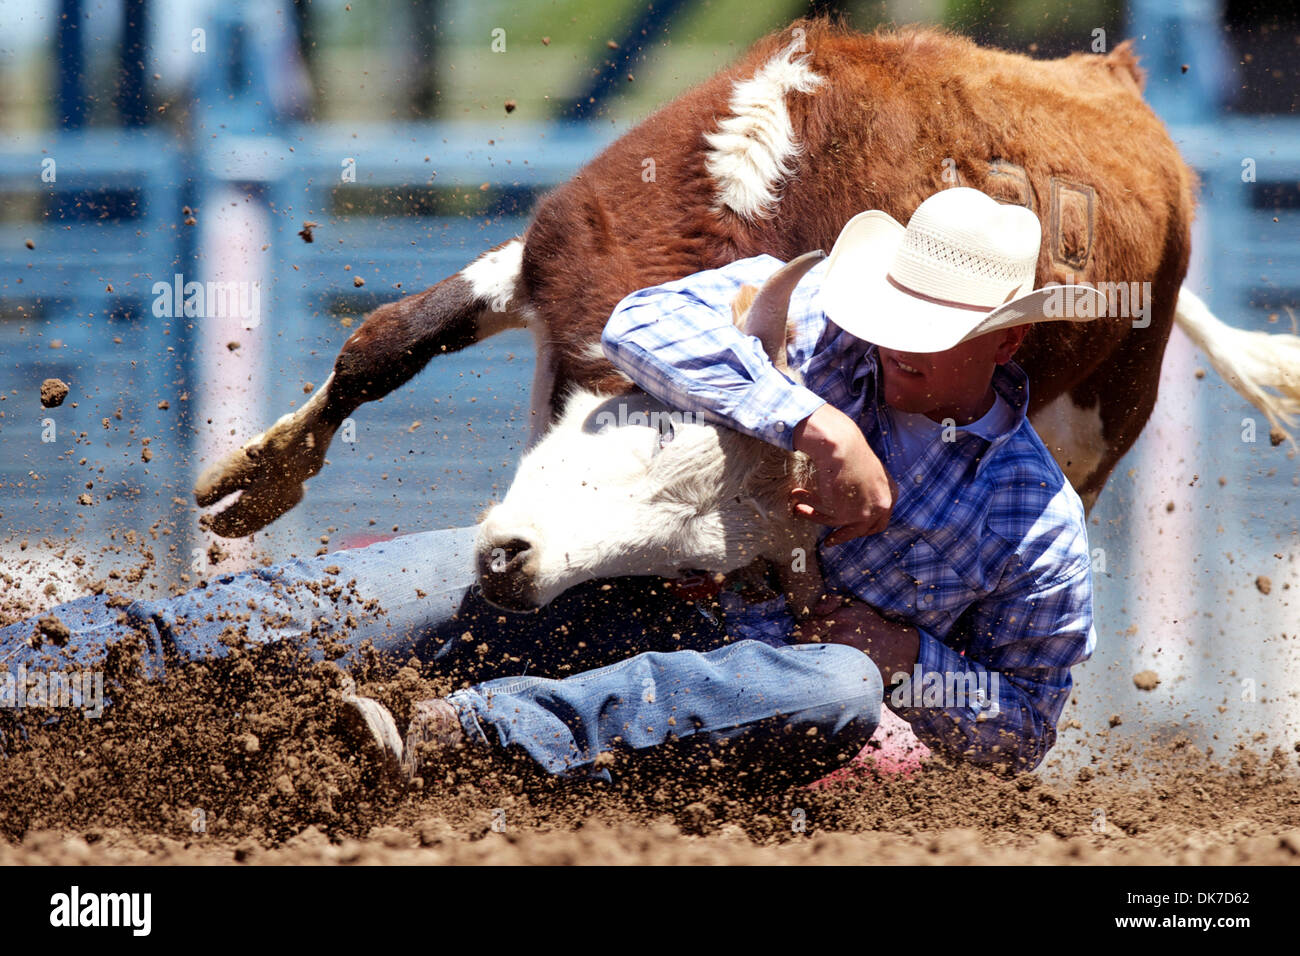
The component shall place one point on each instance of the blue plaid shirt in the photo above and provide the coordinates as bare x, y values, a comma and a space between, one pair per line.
986, 553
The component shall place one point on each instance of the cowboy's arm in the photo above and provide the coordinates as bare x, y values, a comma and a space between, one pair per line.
768, 621
1014, 691
892, 646
677, 342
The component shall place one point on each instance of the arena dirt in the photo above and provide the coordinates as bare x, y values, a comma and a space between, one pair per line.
242, 760
53, 392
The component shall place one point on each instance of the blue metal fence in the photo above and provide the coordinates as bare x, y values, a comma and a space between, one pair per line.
417, 204
102, 213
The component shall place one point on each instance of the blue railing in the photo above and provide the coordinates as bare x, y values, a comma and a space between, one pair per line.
398, 207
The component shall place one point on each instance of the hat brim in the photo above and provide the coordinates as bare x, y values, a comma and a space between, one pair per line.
857, 296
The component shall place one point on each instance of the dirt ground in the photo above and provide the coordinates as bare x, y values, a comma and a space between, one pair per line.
243, 761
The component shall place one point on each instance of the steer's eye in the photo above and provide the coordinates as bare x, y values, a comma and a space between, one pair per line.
666, 433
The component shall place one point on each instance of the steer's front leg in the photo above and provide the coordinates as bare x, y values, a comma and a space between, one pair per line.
270, 469
393, 344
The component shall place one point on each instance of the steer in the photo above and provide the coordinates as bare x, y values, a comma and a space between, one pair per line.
624, 485
774, 155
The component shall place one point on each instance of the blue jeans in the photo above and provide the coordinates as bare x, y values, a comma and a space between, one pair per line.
620, 666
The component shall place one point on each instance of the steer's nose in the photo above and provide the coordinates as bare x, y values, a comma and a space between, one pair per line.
510, 552
507, 566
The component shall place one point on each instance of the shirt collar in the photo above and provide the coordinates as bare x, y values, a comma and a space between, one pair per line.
1011, 382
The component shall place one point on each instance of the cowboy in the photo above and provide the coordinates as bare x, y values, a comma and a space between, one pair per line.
956, 548
955, 543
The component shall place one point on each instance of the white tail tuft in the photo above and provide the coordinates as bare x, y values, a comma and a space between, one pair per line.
1249, 361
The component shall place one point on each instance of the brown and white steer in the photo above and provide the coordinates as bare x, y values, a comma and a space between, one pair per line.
773, 155
623, 484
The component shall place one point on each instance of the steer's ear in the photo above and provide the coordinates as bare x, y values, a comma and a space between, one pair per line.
768, 313
740, 305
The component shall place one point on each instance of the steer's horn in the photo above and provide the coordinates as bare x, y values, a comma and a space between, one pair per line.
768, 314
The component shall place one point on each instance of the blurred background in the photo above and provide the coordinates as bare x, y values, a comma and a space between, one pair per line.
145, 142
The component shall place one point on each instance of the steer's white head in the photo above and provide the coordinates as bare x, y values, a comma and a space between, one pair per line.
624, 485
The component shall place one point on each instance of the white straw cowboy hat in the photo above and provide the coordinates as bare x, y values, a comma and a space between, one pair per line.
964, 266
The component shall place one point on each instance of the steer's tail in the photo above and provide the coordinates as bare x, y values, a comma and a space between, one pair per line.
1251, 362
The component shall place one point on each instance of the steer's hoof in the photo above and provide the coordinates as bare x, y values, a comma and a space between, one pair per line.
269, 471
258, 505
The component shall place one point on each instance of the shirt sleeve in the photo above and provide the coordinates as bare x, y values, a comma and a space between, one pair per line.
1007, 702
767, 621
678, 343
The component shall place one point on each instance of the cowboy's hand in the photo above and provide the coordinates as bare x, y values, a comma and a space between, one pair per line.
854, 493
837, 621
892, 647
816, 627
753, 582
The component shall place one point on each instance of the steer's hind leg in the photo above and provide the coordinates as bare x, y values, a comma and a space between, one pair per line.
394, 342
